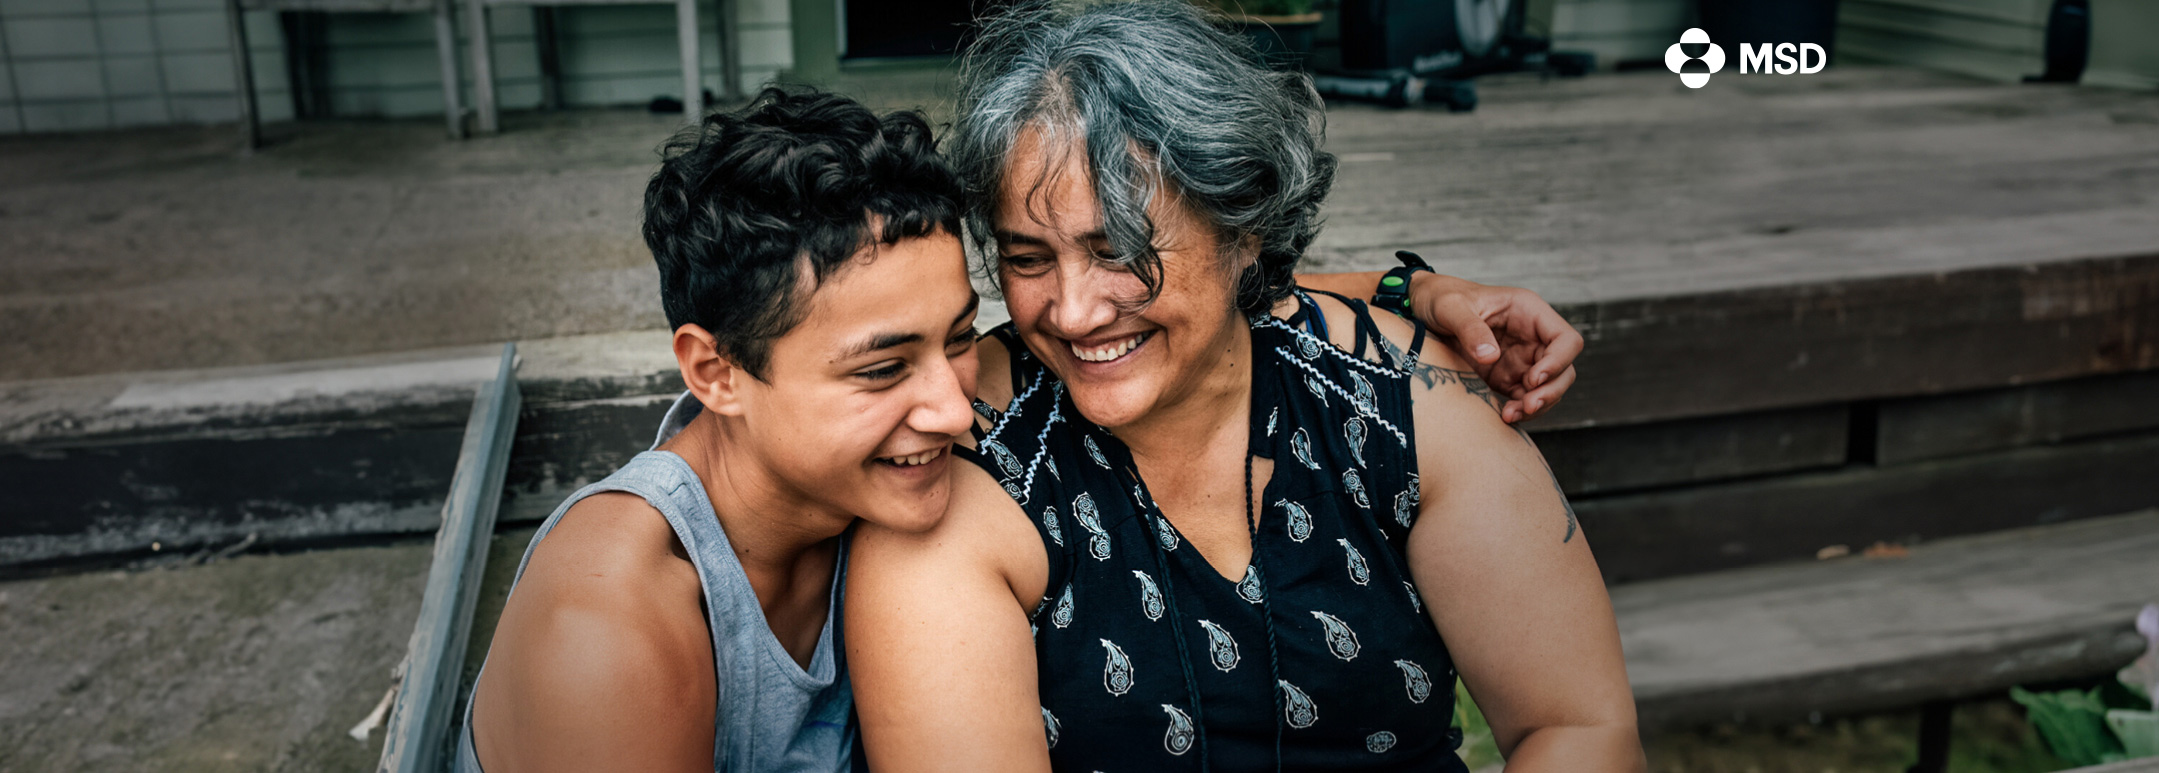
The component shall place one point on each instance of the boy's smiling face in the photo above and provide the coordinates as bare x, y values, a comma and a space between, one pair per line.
862, 401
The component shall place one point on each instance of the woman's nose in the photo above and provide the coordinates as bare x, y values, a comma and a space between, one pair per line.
1083, 302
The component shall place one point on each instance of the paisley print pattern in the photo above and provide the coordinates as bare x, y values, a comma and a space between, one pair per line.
1340, 639
1233, 663
1415, 680
1178, 739
1297, 708
1150, 597
1359, 571
1221, 649
1116, 669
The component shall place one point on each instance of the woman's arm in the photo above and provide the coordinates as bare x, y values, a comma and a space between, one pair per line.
1515, 341
1509, 579
937, 641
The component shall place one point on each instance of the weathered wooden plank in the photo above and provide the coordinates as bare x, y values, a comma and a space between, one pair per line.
1948, 425
310, 484
1747, 350
417, 736
1956, 618
1707, 528
562, 447
1599, 460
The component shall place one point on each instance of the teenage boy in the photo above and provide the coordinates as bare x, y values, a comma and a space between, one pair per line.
682, 614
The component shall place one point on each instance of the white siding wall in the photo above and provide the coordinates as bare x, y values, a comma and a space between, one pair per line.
69, 65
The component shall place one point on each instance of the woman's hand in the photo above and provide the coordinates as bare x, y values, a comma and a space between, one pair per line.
1515, 341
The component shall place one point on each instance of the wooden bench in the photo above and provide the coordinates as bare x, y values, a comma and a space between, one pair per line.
1955, 618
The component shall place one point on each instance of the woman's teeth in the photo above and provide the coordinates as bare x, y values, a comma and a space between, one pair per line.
1107, 353
916, 460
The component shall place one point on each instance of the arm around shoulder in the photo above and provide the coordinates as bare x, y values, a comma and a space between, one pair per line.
1509, 579
602, 659
937, 639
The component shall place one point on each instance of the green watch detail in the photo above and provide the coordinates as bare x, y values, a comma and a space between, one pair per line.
1393, 291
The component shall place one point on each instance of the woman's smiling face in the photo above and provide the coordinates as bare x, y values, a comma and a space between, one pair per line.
1088, 318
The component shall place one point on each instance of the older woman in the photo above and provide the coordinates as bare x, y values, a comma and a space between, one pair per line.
1217, 522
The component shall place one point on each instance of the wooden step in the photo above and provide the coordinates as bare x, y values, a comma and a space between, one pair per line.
1956, 618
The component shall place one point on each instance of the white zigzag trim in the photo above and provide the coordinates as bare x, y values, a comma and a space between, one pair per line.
1289, 356
1042, 448
1015, 406
1330, 348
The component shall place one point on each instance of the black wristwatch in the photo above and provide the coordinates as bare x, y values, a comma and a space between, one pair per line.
1393, 292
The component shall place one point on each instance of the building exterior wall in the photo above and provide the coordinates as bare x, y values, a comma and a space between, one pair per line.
72, 65
68, 65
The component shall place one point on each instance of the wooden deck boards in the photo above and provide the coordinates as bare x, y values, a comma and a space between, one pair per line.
1956, 618
1631, 185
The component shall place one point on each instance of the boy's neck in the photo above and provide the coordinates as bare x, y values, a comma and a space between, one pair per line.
781, 538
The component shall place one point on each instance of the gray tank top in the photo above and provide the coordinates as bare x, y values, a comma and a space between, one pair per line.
772, 715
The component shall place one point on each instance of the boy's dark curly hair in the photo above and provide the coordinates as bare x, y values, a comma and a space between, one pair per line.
746, 201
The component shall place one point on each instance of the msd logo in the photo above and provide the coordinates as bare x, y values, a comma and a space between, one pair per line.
1791, 58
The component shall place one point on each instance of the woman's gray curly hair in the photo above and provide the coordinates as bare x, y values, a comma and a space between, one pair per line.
1160, 96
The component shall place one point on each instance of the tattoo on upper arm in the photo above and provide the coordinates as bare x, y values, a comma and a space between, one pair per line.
1572, 522
1432, 376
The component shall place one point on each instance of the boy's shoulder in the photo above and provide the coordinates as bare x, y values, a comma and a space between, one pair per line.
606, 621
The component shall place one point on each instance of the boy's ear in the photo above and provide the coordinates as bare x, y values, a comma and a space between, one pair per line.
714, 379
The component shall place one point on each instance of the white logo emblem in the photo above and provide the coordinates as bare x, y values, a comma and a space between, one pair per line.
1340, 639
1150, 598
1220, 647
1116, 670
1413, 678
1676, 58
1179, 738
1298, 707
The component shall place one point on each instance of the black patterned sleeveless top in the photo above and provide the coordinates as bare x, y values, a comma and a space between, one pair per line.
1320, 657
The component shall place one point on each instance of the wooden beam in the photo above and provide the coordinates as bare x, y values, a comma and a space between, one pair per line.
1810, 344
1601, 460
1924, 428
418, 731
1722, 526
1954, 619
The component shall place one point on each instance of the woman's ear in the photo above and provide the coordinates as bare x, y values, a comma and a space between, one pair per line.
715, 380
